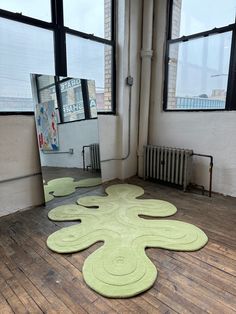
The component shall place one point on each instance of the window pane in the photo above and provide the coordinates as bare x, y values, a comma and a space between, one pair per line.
45, 80
92, 99
91, 60
72, 100
47, 93
198, 72
194, 16
39, 9
24, 49
89, 16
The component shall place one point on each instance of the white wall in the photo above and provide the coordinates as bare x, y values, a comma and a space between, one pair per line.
110, 142
114, 129
204, 132
129, 167
19, 157
72, 135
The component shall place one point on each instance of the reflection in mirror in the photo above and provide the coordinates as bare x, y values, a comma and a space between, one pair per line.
67, 130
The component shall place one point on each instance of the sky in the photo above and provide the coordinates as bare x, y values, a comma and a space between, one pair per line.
74, 16
203, 64
201, 15
26, 49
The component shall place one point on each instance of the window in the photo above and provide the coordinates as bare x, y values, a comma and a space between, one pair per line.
96, 21
89, 57
39, 9
191, 16
200, 56
24, 49
91, 60
46, 89
39, 37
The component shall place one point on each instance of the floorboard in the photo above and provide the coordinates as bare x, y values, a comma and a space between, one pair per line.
33, 279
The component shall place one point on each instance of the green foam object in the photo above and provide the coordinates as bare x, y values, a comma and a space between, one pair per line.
120, 268
66, 186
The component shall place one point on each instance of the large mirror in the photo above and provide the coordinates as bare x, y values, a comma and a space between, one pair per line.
67, 130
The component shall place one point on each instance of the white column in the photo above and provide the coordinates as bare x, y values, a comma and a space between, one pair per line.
146, 55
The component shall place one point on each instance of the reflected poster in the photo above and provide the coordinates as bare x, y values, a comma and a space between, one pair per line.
46, 122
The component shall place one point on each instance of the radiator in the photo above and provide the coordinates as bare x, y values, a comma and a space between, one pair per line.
167, 164
95, 156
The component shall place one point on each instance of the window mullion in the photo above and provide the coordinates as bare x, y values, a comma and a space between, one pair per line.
84, 87
213, 31
59, 38
59, 98
231, 90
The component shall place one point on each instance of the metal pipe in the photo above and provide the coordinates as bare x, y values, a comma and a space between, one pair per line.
129, 134
70, 151
21, 177
130, 92
210, 169
146, 55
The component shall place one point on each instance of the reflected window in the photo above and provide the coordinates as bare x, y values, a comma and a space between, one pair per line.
74, 99
64, 100
92, 99
47, 89
78, 94
71, 100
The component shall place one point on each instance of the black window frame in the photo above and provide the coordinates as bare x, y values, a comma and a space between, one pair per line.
230, 103
60, 30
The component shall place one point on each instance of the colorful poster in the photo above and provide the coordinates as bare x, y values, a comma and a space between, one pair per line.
46, 121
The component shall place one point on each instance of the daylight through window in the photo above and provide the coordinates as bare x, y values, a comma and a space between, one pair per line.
198, 61
69, 38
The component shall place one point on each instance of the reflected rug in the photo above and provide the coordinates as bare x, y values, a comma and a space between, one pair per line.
120, 268
66, 186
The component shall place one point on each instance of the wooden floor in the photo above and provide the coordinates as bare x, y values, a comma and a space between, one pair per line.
35, 280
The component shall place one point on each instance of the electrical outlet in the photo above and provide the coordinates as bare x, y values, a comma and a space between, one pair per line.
130, 80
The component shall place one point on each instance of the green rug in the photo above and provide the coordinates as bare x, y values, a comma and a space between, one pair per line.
120, 268
66, 186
